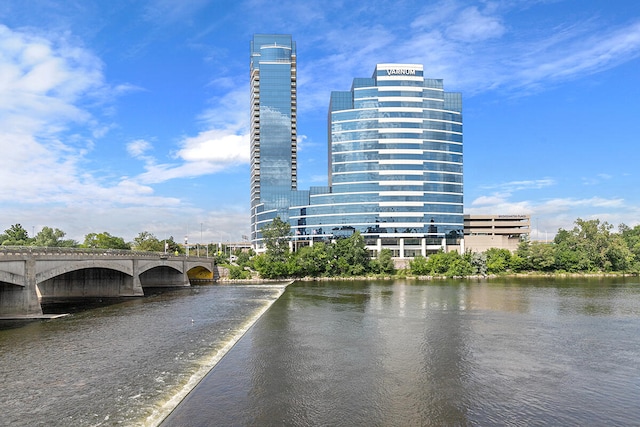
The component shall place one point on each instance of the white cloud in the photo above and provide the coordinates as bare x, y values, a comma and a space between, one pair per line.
42, 85
138, 147
576, 51
523, 185
564, 204
490, 201
217, 147
46, 133
221, 145
450, 38
302, 142
598, 179
472, 25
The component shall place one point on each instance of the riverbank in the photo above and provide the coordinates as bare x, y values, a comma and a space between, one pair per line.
526, 275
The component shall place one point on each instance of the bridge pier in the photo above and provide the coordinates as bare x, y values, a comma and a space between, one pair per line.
185, 275
137, 284
19, 301
21, 298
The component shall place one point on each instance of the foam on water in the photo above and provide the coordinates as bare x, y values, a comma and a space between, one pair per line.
209, 362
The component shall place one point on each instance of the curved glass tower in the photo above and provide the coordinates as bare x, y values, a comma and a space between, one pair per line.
395, 166
273, 129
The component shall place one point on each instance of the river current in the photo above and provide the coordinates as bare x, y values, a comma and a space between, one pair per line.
124, 364
339, 353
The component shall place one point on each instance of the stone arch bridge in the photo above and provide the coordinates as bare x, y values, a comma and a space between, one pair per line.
29, 276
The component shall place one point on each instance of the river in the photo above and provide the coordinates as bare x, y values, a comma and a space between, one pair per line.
125, 364
340, 353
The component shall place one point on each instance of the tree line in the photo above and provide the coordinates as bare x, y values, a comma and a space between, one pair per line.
17, 235
344, 257
590, 247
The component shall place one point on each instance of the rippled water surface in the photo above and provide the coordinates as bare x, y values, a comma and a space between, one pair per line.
407, 353
124, 364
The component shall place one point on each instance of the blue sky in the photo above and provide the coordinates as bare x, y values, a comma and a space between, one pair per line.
124, 117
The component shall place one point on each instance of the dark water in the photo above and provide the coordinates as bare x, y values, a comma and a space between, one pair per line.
123, 364
407, 353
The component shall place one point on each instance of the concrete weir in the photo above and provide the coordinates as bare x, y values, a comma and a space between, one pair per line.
30, 275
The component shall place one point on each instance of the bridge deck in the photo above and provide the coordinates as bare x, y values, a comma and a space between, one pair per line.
31, 275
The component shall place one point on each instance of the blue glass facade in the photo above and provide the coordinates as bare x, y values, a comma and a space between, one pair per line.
395, 165
273, 129
395, 157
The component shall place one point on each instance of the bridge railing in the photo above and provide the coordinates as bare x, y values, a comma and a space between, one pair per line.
62, 251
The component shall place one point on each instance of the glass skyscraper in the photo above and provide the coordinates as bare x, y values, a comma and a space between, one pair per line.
395, 158
395, 166
273, 129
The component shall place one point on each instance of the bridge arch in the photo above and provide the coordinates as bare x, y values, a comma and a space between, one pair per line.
62, 268
12, 278
200, 272
148, 265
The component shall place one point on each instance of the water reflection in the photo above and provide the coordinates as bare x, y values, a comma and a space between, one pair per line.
436, 353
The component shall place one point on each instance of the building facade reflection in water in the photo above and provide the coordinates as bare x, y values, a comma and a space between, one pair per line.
436, 353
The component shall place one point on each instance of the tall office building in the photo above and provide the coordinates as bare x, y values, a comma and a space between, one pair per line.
273, 129
395, 157
395, 166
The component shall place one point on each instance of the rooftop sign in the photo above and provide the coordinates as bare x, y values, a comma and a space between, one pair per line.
401, 71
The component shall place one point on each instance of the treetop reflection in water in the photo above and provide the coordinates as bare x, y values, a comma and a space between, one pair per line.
521, 352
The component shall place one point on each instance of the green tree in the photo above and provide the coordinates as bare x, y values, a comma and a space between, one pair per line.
147, 242
497, 260
276, 239
418, 266
542, 256
591, 246
443, 263
237, 272
593, 240
244, 258
313, 260
15, 235
570, 254
173, 247
271, 268
274, 263
631, 237
104, 240
618, 255
348, 256
50, 237
385, 261
517, 263
440, 262
459, 267
478, 261
521, 260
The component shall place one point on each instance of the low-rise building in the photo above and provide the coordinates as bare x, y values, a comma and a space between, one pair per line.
482, 232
